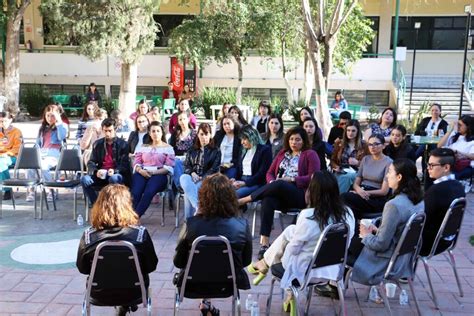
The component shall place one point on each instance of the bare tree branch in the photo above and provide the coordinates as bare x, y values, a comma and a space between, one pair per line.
309, 19
346, 15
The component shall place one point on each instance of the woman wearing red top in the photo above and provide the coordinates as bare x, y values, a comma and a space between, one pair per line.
287, 180
183, 106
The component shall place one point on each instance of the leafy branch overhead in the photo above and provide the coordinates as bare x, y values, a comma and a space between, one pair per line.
121, 28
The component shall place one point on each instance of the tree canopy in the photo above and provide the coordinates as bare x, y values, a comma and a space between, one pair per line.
121, 28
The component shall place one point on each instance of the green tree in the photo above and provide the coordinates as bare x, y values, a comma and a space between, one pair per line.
336, 35
121, 28
11, 17
224, 30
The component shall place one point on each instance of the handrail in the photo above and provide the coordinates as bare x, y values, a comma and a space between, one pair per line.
401, 85
470, 79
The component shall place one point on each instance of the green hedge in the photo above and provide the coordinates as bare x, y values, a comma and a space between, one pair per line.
34, 99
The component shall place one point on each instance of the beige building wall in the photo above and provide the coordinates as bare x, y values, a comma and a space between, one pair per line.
33, 25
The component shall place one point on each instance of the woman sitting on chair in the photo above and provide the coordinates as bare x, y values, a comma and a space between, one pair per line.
316, 143
10, 143
153, 162
399, 146
183, 106
372, 248
218, 215
254, 164
228, 141
275, 134
293, 249
88, 116
140, 135
238, 116
113, 218
348, 154
51, 136
287, 180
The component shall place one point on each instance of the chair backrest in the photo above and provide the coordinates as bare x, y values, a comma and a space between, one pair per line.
116, 267
69, 160
331, 249
451, 225
169, 104
28, 158
210, 261
410, 240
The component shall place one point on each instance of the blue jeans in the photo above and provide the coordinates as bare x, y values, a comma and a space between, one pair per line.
143, 190
5, 163
190, 194
177, 172
245, 190
98, 184
231, 172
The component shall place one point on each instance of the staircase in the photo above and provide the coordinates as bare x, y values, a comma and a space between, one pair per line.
447, 97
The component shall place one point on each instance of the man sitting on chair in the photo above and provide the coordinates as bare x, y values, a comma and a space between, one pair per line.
439, 197
109, 162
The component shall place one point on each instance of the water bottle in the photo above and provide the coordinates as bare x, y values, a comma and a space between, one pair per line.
403, 298
80, 220
440, 133
374, 295
249, 302
255, 311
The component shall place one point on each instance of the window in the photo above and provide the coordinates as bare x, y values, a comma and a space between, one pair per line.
166, 24
436, 33
373, 48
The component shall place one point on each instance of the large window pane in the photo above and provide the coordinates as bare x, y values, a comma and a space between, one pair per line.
448, 39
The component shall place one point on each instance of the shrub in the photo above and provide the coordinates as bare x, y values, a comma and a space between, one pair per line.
34, 99
211, 96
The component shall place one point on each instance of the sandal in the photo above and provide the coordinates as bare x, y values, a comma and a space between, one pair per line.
206, 307
289, 305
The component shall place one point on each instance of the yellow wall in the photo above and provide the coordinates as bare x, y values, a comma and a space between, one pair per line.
174, 7
33, 25
418, 7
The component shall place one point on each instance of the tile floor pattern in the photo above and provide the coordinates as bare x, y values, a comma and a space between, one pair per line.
58, 290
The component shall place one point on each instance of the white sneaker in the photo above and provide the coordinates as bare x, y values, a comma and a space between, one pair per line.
30, 197
50, 196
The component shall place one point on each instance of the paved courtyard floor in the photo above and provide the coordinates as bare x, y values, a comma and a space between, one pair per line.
38, 274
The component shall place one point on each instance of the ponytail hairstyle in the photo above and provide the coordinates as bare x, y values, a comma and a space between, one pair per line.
410, 183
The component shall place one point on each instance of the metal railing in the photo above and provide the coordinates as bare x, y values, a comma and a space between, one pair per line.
401, 86
469, 80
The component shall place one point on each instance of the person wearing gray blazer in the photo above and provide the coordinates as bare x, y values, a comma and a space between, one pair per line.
379, 243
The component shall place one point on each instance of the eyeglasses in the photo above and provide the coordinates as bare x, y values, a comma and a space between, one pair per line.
141, 122
374, 144
432, 165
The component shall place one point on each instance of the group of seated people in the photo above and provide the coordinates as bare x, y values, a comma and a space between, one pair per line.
260, 162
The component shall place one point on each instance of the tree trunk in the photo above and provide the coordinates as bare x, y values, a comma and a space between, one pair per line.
238, 59
308, 79
322, 111
12, 58
128, 89
289, 92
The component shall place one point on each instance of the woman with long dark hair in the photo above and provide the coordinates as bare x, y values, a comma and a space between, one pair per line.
218, 215
275, 133
87, 118
228, 141
460, 138
347, 155
384, 127
51, 136
294, 247
316, 143
399, 147
287, 180
379, 242
183, 106
139, 136
260, 121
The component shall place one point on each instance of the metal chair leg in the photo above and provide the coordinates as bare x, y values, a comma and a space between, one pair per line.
254, 221
239, 309
281, 222
163, 201
269, 299
74, 215
308, 299
340, 289
13, 199
295, 293
384, 297
41, 205
453, 265
176, 303
427, 270
54, 199
410, 283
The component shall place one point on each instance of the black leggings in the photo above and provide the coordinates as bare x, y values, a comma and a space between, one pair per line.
278, 195
360, 206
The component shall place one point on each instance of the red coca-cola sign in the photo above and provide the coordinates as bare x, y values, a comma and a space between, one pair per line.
177, 75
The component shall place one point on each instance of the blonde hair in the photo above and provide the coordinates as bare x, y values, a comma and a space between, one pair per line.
113, 208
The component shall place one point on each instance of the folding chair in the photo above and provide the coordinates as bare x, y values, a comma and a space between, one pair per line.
28, 158
165, 195
210, 262
449, 231
287, 212
168, 108
116, 270
331, 249
70, 161
410, 242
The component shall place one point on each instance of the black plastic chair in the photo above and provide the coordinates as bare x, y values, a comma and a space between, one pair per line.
29, 158
70, 166
116, 270
448, 231
331, 249
410, 242
210, 262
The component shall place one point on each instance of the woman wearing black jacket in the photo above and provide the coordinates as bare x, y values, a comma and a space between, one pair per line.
254, 163
218, 215
228, 141
432, 124
113, 218
140, 135
201, 161
399, 147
